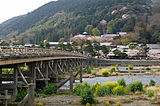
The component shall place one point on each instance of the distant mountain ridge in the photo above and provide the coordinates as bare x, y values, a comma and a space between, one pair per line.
64, 18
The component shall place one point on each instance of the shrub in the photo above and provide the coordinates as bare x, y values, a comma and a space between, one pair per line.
91, 67
100, 67
110, 85
130, 73
95, 86
119, 90
80, 87
105, 73
111, 101
39, 104
50, 89
152, 83
88, 104
135, 86
126, 68
143, 68
150, 93
20, 95
118, 104
122, 82
112, 69
158, 70
130, 67
94, 73
132, 46
87, 96
102, 91
128, 101
77, 89
107, 103
148, 68
89, 71
36, 94
43, 95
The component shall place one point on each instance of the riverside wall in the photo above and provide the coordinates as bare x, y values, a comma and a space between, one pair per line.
108, 62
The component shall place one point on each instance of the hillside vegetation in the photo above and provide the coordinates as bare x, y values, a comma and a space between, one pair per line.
64, 18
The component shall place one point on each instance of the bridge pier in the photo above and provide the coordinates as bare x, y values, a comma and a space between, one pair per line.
31, 68
15, 80
81, 72
96, 63
0, 77
55, 68
31, 95
71, 81
46, 73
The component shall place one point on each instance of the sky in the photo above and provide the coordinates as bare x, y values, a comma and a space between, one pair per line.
12, 8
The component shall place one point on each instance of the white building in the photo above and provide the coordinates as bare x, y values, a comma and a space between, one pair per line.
154, 51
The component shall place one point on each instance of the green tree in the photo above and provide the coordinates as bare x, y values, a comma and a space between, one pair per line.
125, 41
104, 50
75, 46
41, 44
96, 47
89, 29
96, 32
69, 47
89, 48
47, 45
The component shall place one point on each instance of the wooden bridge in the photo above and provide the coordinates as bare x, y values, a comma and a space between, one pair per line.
21, 66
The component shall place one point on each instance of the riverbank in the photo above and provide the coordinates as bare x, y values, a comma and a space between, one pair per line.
142, 98
72, 100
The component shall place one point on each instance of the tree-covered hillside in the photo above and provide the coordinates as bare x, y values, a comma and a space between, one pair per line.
64, 18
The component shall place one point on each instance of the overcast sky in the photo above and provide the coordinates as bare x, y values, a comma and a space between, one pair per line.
11, 8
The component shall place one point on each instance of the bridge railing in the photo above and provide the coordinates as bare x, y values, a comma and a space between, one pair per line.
33, 52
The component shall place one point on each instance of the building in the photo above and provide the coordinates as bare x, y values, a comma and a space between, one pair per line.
113, 35
30, 45
122, 33
154, 51
109, 35
54, 44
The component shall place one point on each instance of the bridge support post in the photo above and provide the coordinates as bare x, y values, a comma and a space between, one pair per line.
74, 68
96, 63
55, 68
0, 76
46, 73
15, 80
31, 94
33, 72
81, 71
71, 81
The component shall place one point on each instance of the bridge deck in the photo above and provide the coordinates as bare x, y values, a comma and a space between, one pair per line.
26, 60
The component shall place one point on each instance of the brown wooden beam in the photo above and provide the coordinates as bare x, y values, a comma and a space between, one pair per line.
15, 80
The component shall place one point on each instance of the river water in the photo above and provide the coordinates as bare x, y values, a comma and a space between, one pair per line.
128, 78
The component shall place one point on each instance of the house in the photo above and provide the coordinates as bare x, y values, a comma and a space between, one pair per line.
113, 35
122, 48
54, 44
132, 52
30, 45
122, 33
109, 35
153, 46
154, 51
109, 45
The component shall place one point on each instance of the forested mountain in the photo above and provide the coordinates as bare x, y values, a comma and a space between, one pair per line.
64, 18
